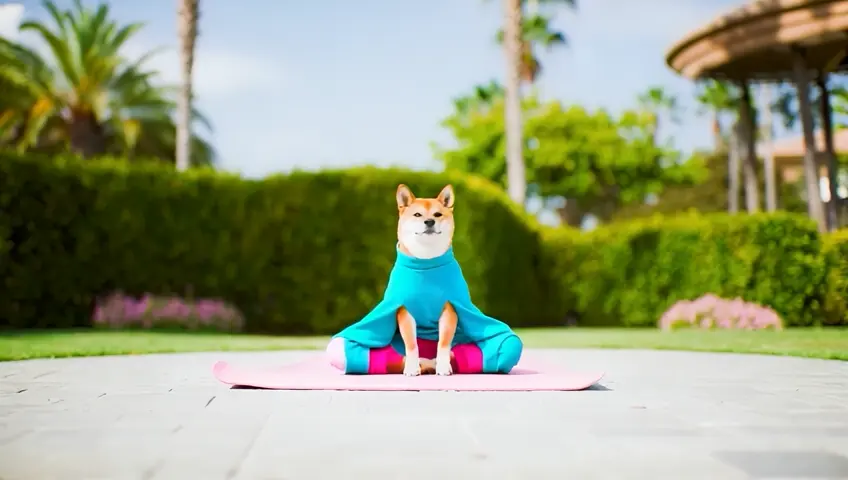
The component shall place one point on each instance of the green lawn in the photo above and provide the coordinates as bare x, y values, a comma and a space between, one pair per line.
829, 343
815, 343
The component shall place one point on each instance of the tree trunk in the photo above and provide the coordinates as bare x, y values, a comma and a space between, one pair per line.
830, 152
768, 156
805, 110
515, 169
86, 135
733, 169
718, 139
187, 31
571, 214
748, 142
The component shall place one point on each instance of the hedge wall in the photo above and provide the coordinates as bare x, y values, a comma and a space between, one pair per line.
310, 252
628, 274
302, 253
836, 256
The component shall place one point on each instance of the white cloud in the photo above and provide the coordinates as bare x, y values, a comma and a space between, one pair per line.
216, 72
10, 18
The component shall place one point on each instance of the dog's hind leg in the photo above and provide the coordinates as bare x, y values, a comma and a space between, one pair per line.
336, 354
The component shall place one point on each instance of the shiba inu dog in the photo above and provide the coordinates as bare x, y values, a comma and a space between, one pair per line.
425, 231
426, 321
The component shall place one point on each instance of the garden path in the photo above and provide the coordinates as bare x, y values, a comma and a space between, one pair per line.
658, 415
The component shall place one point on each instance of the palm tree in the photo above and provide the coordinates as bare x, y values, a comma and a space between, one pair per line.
535, 30
187, 31
88, 97
515, 168
658, 103
516, 49
719, 99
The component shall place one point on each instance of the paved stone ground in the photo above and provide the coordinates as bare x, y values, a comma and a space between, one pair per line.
660, 415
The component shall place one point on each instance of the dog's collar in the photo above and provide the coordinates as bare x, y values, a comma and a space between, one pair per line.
424, 263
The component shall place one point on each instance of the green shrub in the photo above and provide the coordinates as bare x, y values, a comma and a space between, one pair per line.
300, 253
563, 250
41, 212
836, 256
628, 274
310, 252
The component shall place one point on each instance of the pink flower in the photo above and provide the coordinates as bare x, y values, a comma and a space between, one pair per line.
134, 310
99, 315
120, 311
711, 311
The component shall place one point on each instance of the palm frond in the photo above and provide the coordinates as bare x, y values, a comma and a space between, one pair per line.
88, 80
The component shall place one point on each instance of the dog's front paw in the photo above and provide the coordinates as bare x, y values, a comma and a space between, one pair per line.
443, 363
412, 366
444, 368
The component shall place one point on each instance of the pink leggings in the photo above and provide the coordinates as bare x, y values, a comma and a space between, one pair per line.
467, 357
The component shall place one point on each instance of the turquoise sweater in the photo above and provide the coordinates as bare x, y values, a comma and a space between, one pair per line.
423, 287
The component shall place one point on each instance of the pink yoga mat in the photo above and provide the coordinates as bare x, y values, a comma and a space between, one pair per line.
316, 374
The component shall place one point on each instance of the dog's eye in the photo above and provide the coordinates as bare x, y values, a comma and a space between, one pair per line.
437, 214
416, 214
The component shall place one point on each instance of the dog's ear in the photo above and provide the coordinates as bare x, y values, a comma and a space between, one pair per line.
404, 196
446, 196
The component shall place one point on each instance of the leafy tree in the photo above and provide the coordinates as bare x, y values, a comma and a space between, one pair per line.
839, 100
481, 99
721, 100
708, 195
659, 104
786, 104
596, 161
86, 96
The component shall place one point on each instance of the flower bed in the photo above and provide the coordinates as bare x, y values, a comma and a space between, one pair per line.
122, 312
711, 311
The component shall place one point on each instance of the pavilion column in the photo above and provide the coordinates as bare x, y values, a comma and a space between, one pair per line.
811, 175
768, 155
748, 142
830, 151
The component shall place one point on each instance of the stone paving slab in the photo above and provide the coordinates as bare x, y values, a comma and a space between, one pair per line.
659, 415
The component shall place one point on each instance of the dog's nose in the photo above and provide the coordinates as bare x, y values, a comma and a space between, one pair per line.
429, 222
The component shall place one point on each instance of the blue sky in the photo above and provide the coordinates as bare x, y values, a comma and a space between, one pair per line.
333, 83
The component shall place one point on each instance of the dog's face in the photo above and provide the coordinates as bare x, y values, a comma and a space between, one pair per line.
425, 226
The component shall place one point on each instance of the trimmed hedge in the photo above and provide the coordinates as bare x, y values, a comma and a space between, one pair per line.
310, 252
629, 274
836, 255
302, 253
